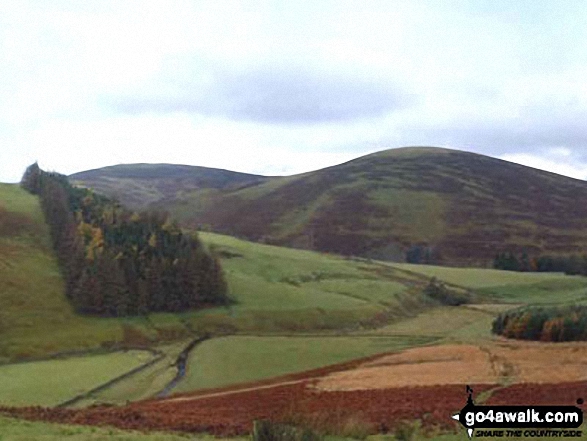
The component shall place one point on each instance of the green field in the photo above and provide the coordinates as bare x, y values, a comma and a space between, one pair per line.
446, 322
240, 359
507, 287
51, 382
477, 278
144, 384
18, 430
282, 289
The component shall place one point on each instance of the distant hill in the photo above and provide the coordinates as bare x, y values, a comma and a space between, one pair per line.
427, 204
140, 184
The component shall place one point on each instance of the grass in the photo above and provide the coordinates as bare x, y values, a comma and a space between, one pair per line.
477, 278
51, 382
35, 317
448, 322
419, 215
276, 291
282, 289
551, 291
142, 385
416, 434
275, 288
18, 430
239, 359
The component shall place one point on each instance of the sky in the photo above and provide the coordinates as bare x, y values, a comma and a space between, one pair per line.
283, 87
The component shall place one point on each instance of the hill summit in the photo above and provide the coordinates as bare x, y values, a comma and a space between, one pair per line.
422, 204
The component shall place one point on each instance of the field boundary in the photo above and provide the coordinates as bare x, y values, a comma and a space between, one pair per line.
159, 355
182, 365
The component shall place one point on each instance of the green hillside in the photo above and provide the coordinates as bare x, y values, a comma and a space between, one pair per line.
323, 307
35, 317
273, 288
437, 205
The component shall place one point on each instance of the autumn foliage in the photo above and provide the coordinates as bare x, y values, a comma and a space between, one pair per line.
543, 323
118, 263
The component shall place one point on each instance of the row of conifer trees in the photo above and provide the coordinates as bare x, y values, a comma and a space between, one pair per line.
116, 262
572, 265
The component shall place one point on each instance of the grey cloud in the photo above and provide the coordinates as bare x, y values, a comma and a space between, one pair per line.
538, 129
273, 95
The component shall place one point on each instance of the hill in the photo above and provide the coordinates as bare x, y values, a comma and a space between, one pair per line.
138, 184
423, 204
275, 289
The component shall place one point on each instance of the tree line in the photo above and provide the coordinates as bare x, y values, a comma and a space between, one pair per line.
543, 323
572, 265
118, 263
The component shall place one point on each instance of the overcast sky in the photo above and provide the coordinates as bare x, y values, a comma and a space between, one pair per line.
289, 86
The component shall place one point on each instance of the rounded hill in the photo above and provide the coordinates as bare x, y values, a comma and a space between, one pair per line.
427, 204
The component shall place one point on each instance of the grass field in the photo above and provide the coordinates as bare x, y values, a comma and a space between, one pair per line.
232, 360
18, 430
281, 289
142, 385
449, 323
51, 382
477, 278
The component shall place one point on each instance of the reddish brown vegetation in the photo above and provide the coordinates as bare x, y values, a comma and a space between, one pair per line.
564, 394
295, 398
233, 414
488, 205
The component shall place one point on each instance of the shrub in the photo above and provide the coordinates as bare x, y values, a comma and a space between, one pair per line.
439, 292
264, 430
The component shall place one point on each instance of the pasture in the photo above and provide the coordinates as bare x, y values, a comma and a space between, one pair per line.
51, 382
240, 359
20, 430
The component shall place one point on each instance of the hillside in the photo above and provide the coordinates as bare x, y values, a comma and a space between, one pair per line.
274, 289
431, 204
138, 184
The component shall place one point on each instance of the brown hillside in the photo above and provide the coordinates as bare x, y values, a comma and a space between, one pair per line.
457, 207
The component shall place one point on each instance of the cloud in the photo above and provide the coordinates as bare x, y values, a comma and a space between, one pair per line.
288, 86
272, 94
553, 162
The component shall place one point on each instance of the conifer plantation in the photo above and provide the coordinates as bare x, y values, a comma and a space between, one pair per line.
119, 263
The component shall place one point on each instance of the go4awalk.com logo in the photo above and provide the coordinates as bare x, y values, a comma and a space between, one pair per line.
517, 421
